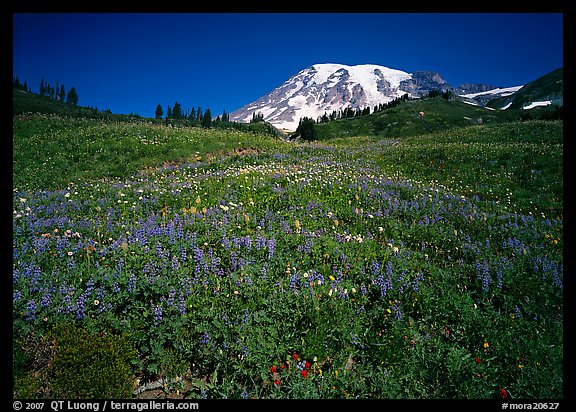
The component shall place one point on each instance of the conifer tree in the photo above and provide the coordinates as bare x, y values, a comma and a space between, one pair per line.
62, 93
42, 88
306, 128
207, 119
177, 111
72, 96
159, 112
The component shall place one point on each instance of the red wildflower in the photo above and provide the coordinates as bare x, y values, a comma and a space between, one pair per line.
305, 373
294, 356
277, 382
477, 360
307, 365
273, 369
503, 393
282, 366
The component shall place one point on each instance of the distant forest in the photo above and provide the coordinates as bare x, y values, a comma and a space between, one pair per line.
57, 93
350, 112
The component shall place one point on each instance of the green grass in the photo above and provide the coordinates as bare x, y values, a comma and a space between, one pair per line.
428, 266
414, 117
518, 165
51, 151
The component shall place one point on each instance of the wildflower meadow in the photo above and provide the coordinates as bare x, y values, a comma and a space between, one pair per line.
227, 264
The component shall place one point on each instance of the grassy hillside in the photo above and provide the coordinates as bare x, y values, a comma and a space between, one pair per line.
32, 103
49, 151
234, 265
26, 102
412, 118
548, 87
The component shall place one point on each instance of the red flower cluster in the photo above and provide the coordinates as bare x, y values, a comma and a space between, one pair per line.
303, 365
477, 360
503, 393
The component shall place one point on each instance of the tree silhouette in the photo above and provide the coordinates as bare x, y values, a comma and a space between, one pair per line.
159, 112
72, 96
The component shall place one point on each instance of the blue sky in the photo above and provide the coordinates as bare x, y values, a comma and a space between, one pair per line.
131, 62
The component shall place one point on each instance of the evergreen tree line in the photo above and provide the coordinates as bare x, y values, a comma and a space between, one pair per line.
57, 93
348, 112
307, 129
195, 116
198, 117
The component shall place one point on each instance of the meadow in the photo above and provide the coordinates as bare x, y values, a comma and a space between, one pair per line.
227, 264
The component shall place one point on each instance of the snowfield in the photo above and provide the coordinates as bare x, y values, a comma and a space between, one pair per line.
536, 104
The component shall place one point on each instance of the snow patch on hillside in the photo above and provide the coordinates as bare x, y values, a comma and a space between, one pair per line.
536, 104
501, 91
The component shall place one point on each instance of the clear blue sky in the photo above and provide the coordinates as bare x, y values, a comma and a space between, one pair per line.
131, 62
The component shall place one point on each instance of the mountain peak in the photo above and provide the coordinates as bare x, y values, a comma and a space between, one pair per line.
327, 87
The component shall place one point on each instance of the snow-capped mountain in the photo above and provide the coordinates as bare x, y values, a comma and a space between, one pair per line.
323, 88
483, 97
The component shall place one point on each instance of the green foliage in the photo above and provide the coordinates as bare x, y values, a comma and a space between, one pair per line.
424, 267
306, 129
72, 97
207, 119
53, 151
547, 87
177, 111
413, 117
257, 117
159, 112
89, 365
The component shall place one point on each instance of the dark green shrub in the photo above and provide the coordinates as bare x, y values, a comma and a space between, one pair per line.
90, 365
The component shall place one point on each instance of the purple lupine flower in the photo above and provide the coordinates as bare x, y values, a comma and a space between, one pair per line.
205, 339
294, 282
271, 247
301, 365
260, 242
132, 283
89, 286
483, 274
157, 314
182, 305
175, 263
356, 342
46, 298
389, 268
263, 272
171, 297
375, 267
80, 305
415, 282
499, 278
397, 311
30, 311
